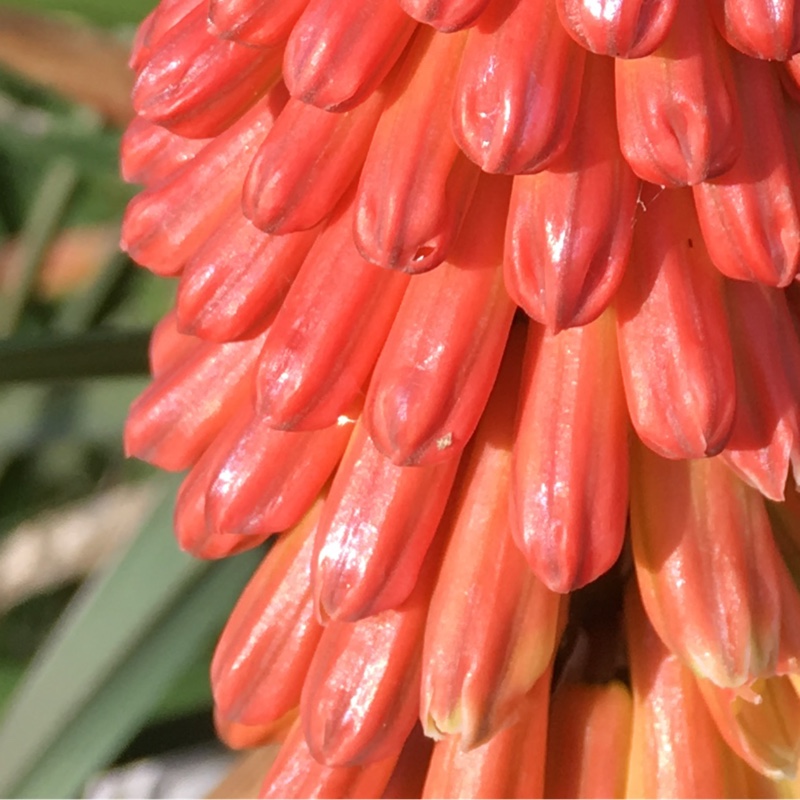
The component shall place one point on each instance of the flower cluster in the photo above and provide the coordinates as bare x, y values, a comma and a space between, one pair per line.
488, 307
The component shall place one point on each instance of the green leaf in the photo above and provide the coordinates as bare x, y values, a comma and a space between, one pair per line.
100, 11
102, 629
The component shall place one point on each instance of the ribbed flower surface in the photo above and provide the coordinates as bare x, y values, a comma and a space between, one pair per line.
489, 309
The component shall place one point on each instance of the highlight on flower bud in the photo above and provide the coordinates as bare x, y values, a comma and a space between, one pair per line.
260, 23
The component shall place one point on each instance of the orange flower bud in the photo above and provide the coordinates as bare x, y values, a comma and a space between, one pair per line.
260, 662
766, 432
511, 764
259, 23
761, 724
491, 628
267, 481
165, 224
672, 331
445, 15
570, 227
677, 108
339, 52
178, 415
192, 530
760, 29
244, 737
297, 774
196, 84
676, 749
318, 357
158, 23
416, 184
376, 529
569, 494
150, 153
436, 370
237, 279
712, 580
518, 87
749, 216
361, 696
168, 345
588, 741
622, 28
306, 163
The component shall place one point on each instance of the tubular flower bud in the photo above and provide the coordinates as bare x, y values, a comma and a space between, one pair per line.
437, 367
291, 188
376, 529
623, 28
570, 227
676, 749
761, 724
260, 23
315, 361
491, 629
570, 463
677, 108
292, 150
511, 764
518, 86
195, 84
672, 331
416, 186
339, 53
749, 215
588, 741
295, 773
702, 540
262, 656
236, 280
760, 29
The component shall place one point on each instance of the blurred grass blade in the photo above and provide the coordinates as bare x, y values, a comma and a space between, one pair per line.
102, 12
40, 226
103, 627
101, 353
117, 710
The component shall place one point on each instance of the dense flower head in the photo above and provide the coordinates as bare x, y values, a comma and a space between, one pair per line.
489, 309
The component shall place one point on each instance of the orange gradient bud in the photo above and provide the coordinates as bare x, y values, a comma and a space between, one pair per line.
166, 16
237, 279
416, 184
317, 358
588, 741
712, 580
672, 332
569, 228
268, 479
339, 52
168, 346
260, 662
676, 749
621, 28
306, 163
165, 224
295, 773
759, 29
749, 215
361, 696
491, 628
173, 421
196, 84
569, 494
150, 153
437, 367
245, 737
511, 764
677, 108
766, 432
260, 23
376, 529
761, 724
518, 88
